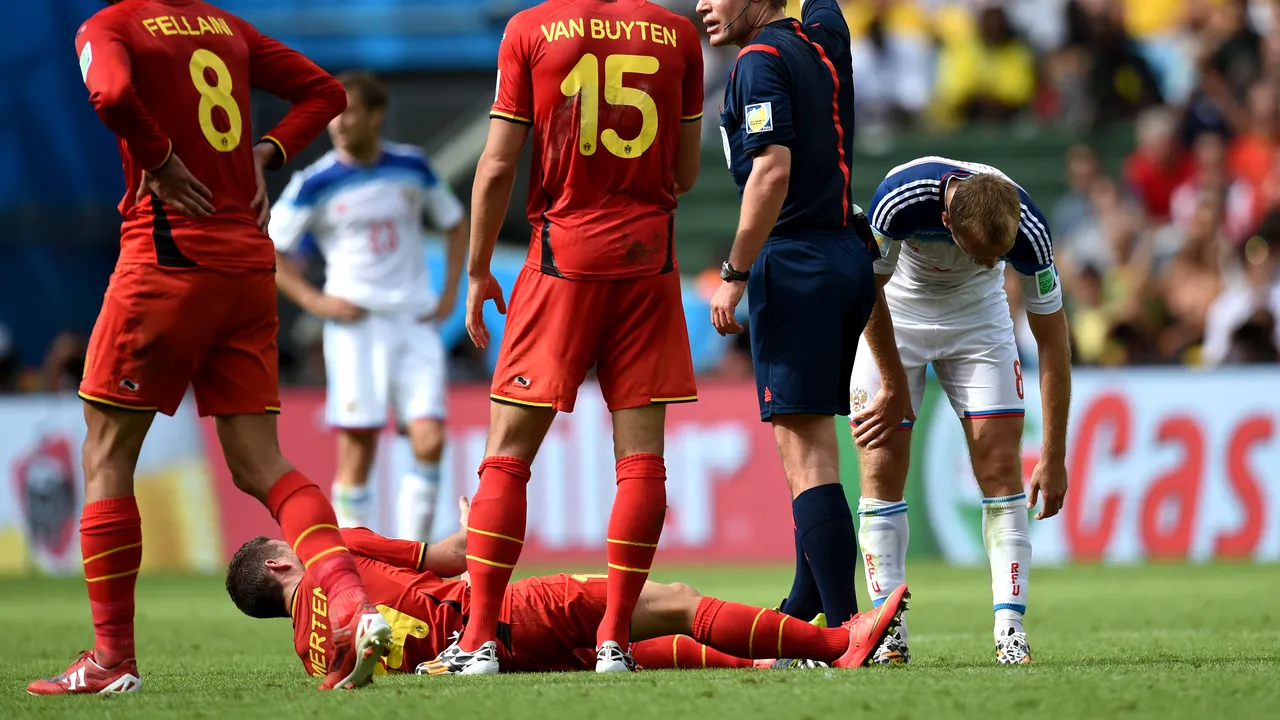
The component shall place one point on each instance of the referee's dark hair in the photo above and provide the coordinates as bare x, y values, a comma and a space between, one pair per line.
366, 87
984, 214
251, 584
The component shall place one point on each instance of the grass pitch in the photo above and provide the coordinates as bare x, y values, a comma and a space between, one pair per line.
1164, 641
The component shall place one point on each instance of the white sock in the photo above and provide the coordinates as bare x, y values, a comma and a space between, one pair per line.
416, 506
351, 505
883, 533
1004, 532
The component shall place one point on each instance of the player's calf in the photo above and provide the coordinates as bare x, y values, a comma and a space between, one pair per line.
997, 465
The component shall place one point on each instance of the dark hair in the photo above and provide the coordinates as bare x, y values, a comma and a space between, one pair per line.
251, 585
366, 86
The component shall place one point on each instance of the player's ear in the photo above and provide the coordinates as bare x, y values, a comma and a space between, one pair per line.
946, 220
277, 564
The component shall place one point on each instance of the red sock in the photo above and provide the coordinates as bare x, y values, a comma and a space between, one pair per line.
681, 652
306, 518
752, 632
111, 544
635, 525
495, 536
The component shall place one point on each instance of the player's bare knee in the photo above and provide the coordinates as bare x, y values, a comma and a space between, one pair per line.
250, 447
427, 439
672, 605
517, 430
999, 471
639, 430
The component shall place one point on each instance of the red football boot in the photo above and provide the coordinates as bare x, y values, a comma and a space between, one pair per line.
867, 629
86, 676
357, 646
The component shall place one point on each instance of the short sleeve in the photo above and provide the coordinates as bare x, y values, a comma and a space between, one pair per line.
691, 98
291, 216
762, 99
513, 97
439, 202
885, 203
825, 13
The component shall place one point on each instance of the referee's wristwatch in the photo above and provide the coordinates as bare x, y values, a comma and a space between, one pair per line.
728, 273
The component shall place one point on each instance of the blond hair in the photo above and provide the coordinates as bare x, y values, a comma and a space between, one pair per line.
984, 212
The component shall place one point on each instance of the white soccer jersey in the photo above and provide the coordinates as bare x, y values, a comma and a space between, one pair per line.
929, 270
367, 222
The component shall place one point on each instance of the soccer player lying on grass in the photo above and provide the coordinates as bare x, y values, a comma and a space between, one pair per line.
547, 623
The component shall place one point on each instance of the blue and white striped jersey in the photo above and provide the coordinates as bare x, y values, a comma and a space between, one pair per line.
906, 210
367, 221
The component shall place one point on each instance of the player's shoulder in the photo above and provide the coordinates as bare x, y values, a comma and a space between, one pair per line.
528, 19
404, 156
308, 183
113, 16
403, 153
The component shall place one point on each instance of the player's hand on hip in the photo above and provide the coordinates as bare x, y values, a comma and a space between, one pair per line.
174, 184
876, 424
330, 307
262, 156
724, 307
1048, 481
480, 289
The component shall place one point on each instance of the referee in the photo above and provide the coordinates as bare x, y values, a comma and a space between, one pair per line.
804, 251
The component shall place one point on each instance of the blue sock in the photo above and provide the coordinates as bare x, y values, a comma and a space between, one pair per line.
804, 602
825, 526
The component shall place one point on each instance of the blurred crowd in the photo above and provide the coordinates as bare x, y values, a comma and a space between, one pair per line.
1174, 259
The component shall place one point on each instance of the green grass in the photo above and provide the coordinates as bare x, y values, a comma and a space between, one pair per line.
1162, 641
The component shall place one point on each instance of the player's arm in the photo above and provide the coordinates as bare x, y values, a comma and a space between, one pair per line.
446, 213
491, 191
826, 14
874, 426
689, 153
290, 222
1042, 296
400, 553
760, 83
759, 91
286, 73
107, 69
511, 118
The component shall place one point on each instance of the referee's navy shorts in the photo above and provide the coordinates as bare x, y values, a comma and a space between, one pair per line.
809, 301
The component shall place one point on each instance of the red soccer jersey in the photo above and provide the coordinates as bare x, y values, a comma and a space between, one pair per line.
424, 611
605, 86
173, 76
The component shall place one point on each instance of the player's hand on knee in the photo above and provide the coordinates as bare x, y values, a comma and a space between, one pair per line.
330, 307
480, 289
177, 188
875, 425
1048, 482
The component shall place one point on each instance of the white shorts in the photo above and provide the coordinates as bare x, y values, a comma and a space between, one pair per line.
379, 361
975, 358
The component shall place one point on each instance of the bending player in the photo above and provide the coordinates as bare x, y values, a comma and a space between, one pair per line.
547, 623
616, 120
363, 203
192, 302
947, 228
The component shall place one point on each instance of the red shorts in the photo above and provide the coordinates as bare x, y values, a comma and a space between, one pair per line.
631, 330
553, 622
161, 330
